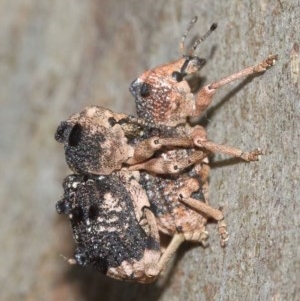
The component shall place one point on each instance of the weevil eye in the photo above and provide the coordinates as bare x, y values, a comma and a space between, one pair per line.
145, 90
177, 76
139, 88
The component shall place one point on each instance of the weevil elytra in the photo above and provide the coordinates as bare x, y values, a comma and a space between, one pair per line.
114, 229
102, 211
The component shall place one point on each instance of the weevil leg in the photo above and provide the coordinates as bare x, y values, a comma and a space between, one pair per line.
155, 267
210, 212
204, 96
146, 149
184, 194
213, 147
197, 236
203, 208
161, 165
171, 249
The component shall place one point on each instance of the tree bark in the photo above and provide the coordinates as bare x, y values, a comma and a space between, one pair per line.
58, 56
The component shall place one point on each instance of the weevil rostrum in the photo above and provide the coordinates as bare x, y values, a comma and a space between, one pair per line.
160, 163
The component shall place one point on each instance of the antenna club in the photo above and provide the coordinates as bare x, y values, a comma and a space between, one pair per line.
214, 26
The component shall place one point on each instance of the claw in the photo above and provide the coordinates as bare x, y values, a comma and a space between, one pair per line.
254, 155
224, 236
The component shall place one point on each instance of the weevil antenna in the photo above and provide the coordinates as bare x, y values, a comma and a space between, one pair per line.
201, 39
191, 24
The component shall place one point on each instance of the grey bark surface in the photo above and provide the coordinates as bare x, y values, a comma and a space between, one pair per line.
58, 56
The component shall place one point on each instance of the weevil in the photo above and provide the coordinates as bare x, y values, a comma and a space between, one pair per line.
113, 227
168, 95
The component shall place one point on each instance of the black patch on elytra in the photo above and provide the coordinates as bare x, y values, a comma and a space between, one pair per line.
153, 244
93, 212
101, 264
77, 215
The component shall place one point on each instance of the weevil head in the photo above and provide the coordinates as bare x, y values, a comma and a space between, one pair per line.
164, 95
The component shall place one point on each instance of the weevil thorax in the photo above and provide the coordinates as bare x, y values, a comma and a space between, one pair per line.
94, 141
164, 94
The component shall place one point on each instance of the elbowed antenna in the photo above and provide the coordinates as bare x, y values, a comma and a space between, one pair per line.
201, 39
191, 24
198, 41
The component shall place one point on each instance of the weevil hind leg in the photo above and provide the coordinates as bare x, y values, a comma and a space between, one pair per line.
171, 249
162, 166
211, 212
146, 148
184, 196
203, 208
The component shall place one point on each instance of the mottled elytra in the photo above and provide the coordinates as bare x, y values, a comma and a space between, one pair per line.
105, 227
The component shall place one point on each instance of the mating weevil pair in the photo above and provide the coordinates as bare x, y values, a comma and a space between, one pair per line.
139, 177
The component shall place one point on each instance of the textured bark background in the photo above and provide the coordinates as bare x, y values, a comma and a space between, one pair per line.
58, 56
